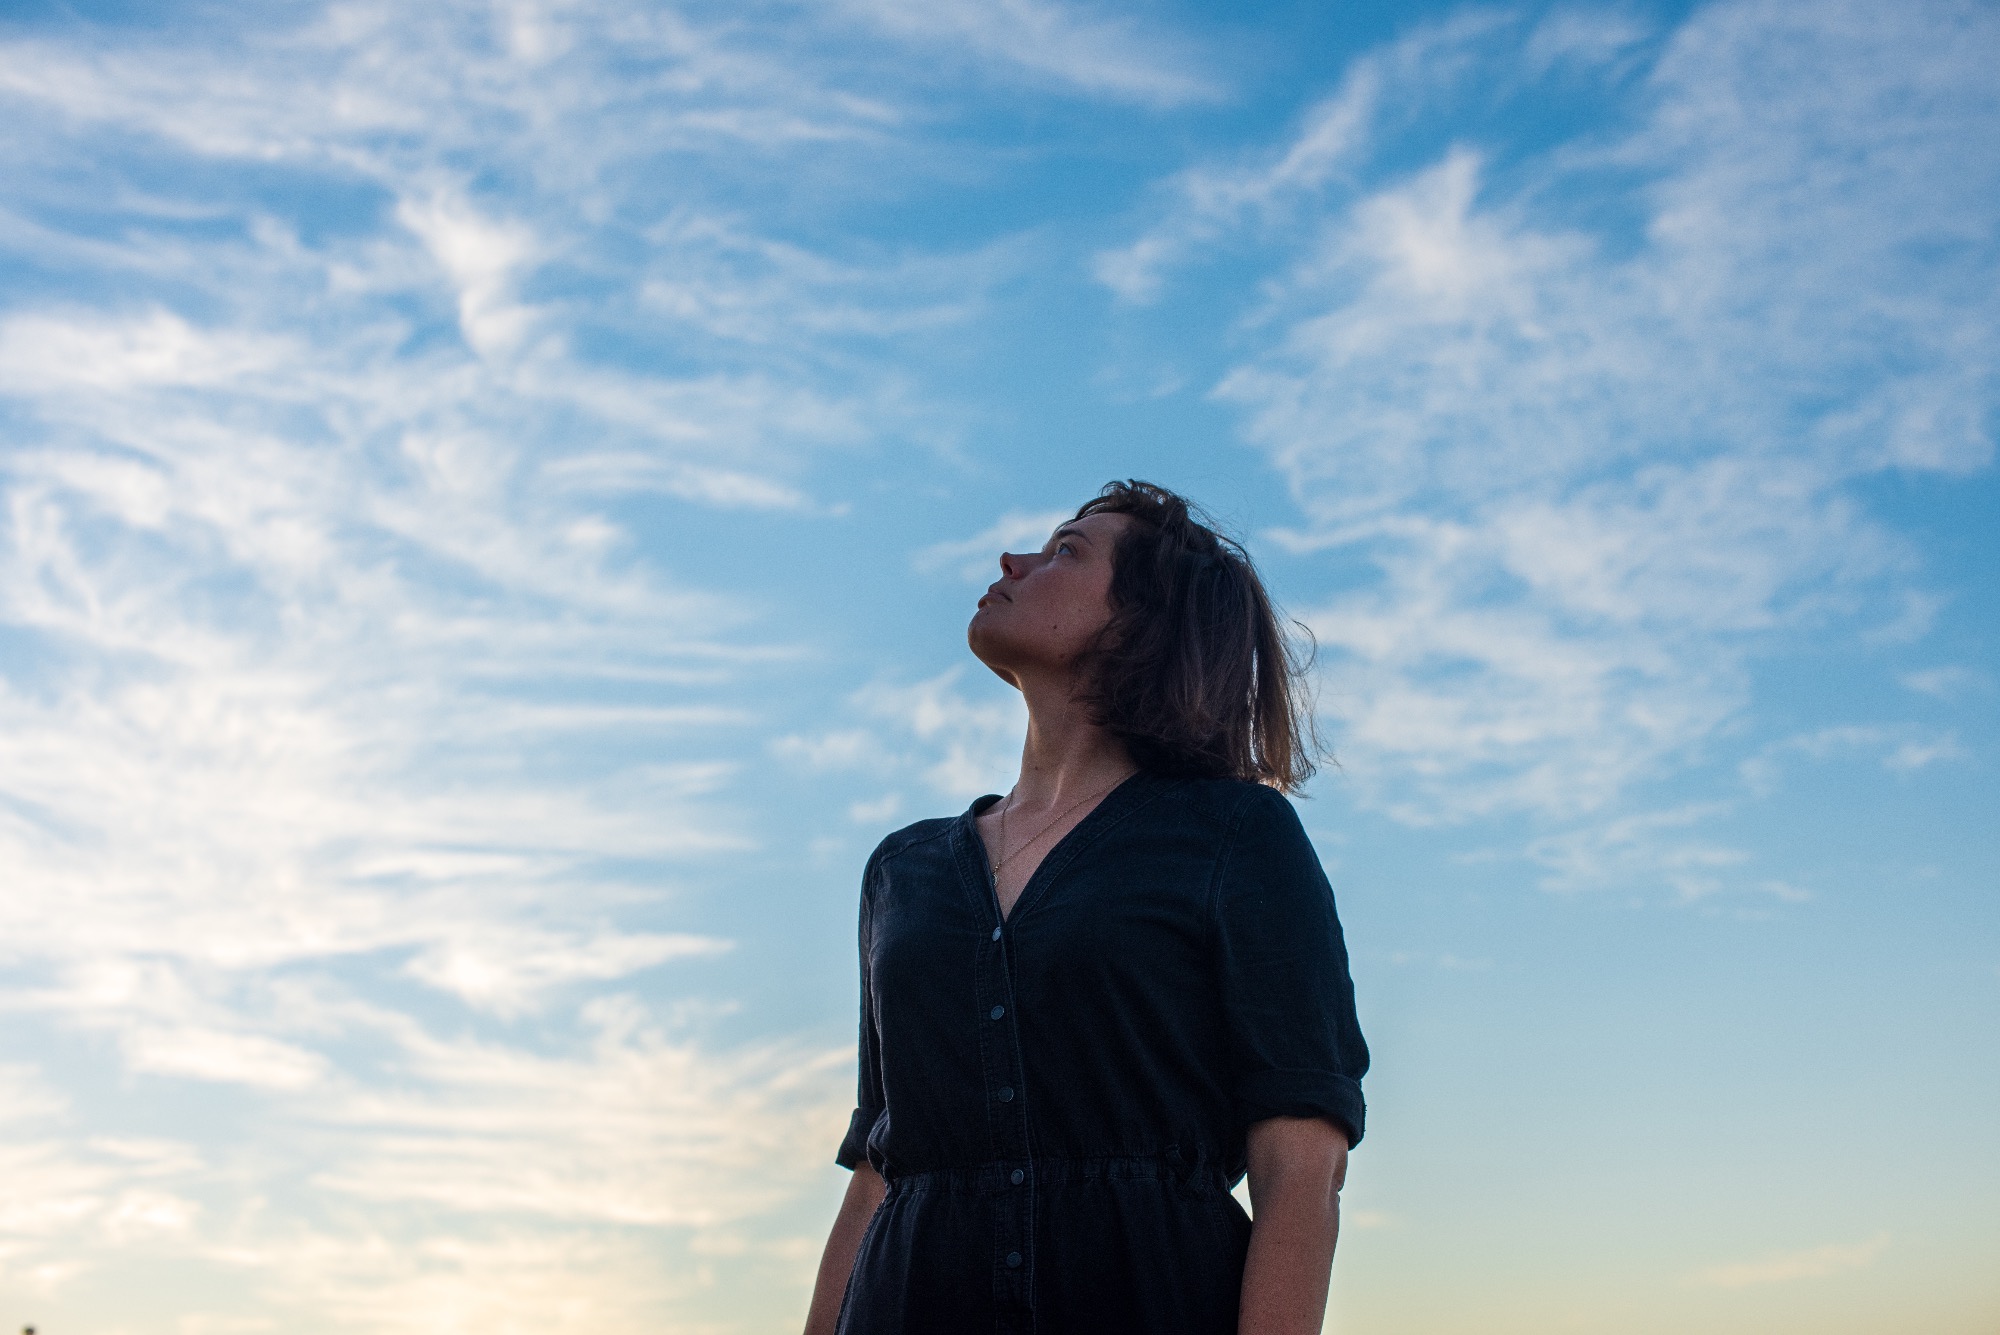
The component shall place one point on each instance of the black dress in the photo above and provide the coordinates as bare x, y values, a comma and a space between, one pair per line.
1058, 1102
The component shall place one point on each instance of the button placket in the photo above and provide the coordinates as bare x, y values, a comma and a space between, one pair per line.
1008, 1184
1007, 1121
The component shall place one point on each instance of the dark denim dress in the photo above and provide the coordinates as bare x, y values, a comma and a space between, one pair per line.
1058, 1102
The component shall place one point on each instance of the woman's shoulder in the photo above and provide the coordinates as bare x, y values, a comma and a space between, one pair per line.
912, 836
1227, 802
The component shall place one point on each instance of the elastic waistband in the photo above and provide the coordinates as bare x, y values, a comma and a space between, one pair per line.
993, 1178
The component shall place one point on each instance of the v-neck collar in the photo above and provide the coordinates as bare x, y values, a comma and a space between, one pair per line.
977, 869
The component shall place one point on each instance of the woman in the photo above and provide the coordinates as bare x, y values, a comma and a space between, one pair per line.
1089, 1007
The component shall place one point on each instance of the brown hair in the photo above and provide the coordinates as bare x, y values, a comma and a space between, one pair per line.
1194, 672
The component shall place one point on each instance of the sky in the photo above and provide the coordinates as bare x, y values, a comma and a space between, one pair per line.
490, 496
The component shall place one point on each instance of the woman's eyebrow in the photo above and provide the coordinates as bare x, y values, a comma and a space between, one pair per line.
1070, 533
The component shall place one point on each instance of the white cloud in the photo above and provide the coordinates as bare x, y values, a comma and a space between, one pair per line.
737, 285
877, 811
1914, 613
1594, 470
1901, 748
508, 969
977, 558
356, 742
1058, 42
484, 258
1583, 36
1948, 682
356, 748
25, 1096
842, 749
1334, 135
90, 353
966, 745
1812, 1263
510, 1281
363, 85
639, 1127
1642, 847
305, 561
963, 745
1917, 755
460, 1150
218, 1055
136, 1215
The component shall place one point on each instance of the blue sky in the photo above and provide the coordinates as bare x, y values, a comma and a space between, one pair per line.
492, 494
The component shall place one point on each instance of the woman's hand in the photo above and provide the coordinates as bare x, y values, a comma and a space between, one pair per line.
836, 1263
1297, 1166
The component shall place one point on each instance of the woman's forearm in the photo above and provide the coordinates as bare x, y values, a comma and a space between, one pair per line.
1286, 1273
1297, 1166
836, 1263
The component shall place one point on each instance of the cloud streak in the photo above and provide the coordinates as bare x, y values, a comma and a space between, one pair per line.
358, 742
1786, 1267
1054, 43
1592, 469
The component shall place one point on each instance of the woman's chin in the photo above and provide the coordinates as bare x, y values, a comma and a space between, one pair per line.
990, 651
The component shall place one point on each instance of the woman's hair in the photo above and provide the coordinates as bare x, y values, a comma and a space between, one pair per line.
1194, 672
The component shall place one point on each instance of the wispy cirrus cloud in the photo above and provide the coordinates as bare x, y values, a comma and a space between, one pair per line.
1066, 45
961, 743
1593, 466
1947, 682
357, 740
1206, 203
384, 699
466, 1172
1784, 1267
978, 557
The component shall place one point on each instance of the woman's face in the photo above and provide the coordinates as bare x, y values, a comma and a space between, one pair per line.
1047, 606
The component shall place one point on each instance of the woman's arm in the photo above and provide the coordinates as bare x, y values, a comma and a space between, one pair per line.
1297, 1166
836, 1263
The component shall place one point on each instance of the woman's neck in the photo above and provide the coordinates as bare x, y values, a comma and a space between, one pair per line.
1067, 756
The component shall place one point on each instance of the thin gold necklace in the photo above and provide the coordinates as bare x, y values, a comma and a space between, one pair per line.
1006, 857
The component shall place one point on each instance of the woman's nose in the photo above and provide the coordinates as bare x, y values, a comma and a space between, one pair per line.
1010, 565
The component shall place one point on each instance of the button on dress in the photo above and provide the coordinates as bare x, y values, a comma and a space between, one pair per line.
1058, 1100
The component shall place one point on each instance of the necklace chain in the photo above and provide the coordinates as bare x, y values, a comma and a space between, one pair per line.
1006, 857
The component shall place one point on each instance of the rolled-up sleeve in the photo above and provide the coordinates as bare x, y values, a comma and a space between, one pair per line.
869, 1099
1287, 997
